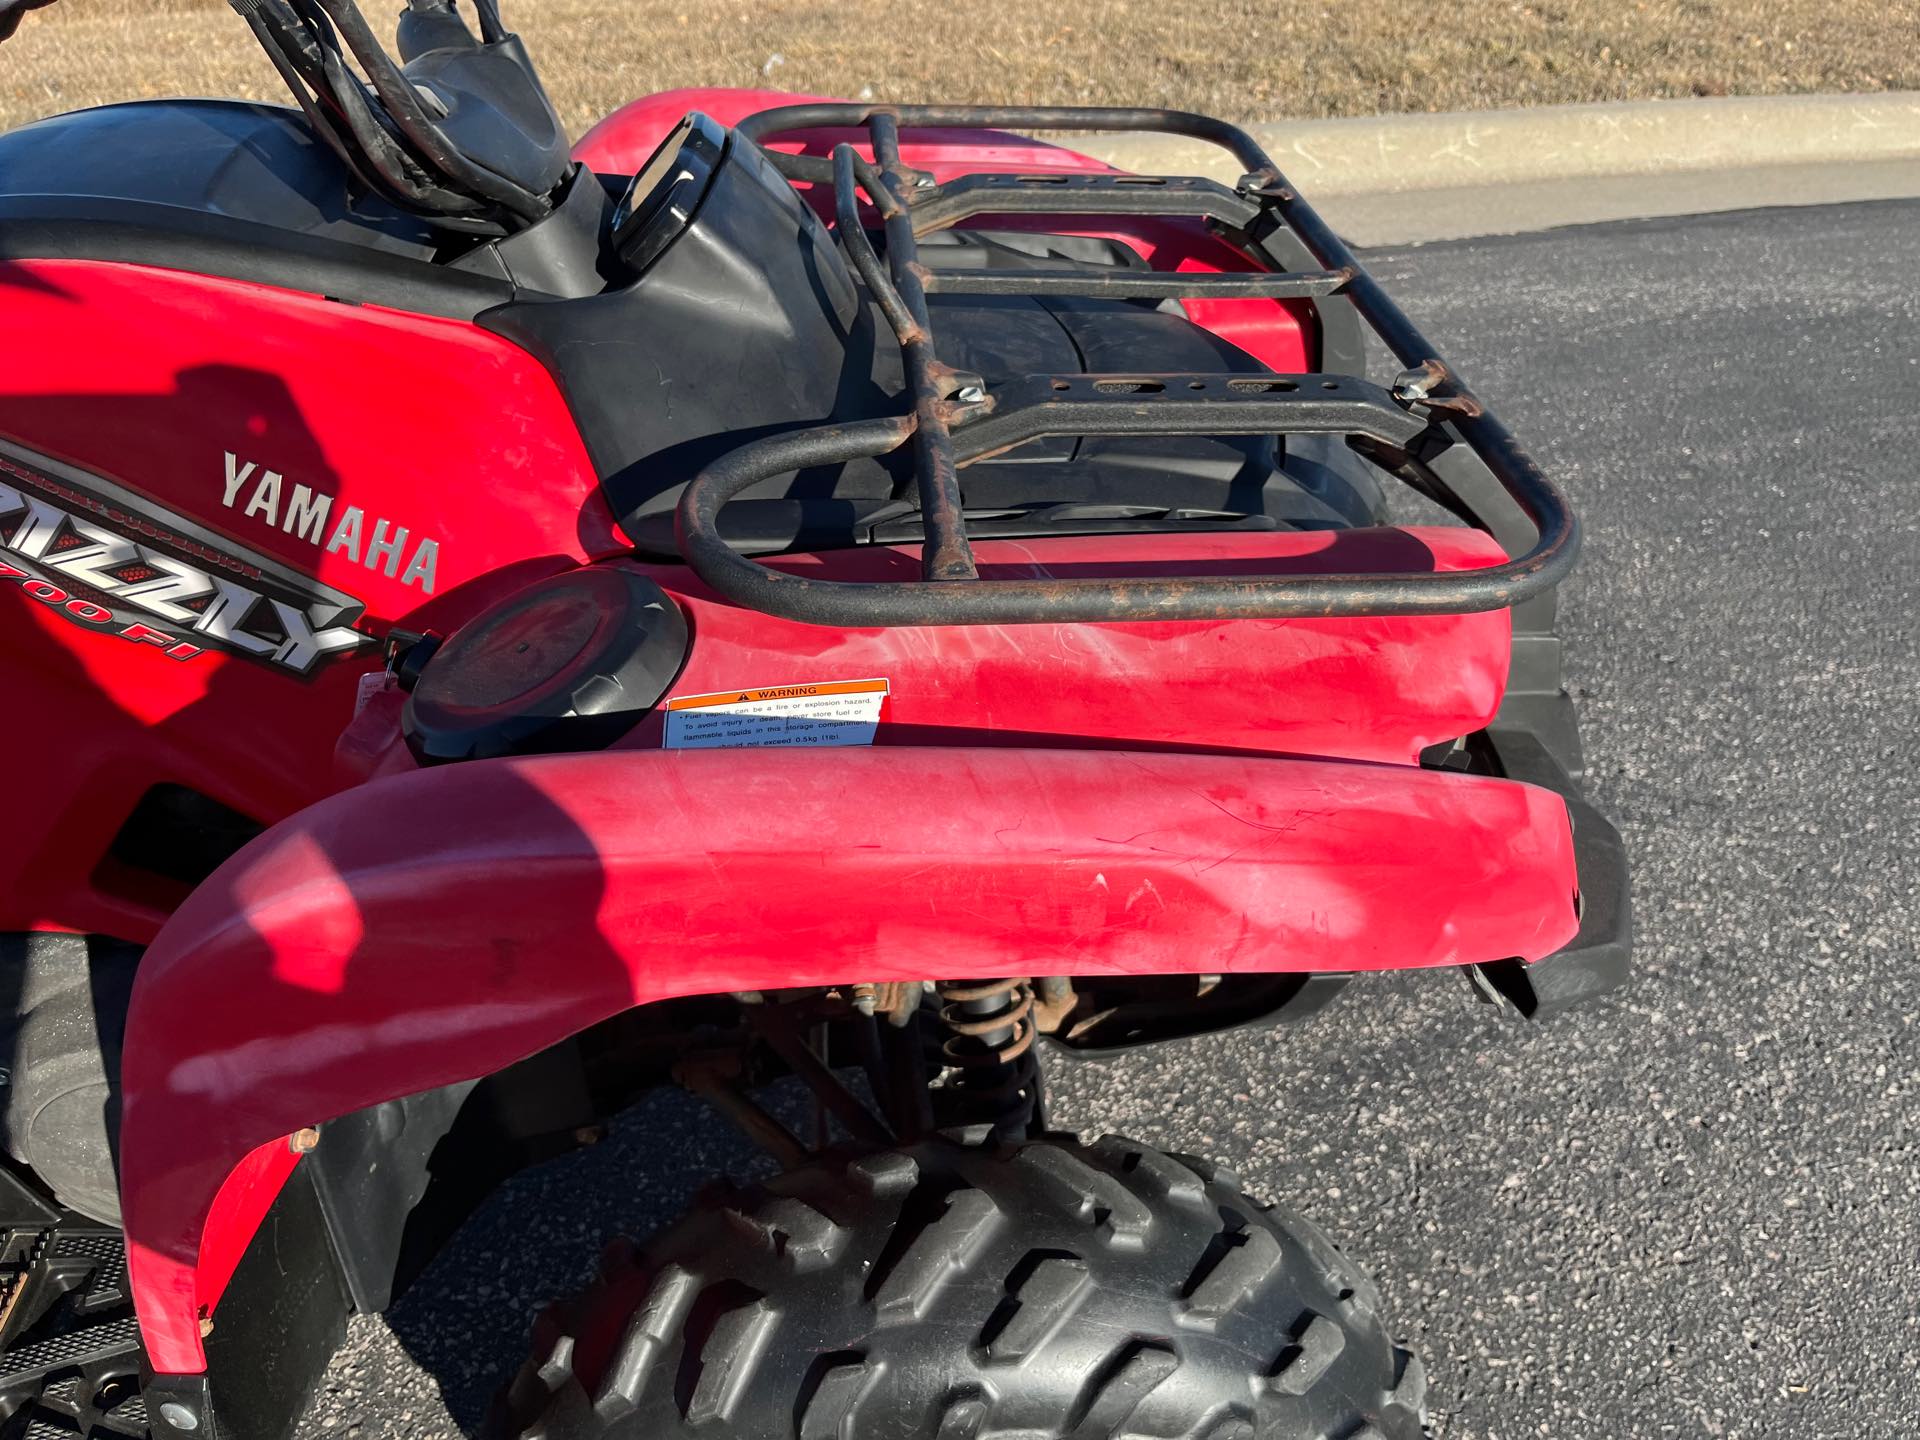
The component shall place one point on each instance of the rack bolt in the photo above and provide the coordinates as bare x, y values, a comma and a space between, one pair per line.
304, 1141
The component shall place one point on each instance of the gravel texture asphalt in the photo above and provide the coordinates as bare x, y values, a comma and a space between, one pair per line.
1691, 1210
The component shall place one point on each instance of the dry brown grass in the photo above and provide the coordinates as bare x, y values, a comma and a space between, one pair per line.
1247, 59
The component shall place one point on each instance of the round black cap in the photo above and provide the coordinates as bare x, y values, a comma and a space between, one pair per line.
570, 663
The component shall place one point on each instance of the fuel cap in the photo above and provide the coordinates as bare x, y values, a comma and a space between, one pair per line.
571, 662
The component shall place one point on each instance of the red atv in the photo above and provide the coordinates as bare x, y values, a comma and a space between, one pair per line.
492, 627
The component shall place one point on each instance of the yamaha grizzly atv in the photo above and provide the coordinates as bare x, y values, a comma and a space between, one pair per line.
783, 590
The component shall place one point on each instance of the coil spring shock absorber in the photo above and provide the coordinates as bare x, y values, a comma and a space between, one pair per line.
988, 1049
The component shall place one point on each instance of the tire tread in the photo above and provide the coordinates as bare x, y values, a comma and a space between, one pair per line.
944, 1292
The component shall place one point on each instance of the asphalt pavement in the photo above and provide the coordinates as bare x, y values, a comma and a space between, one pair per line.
1690, 1211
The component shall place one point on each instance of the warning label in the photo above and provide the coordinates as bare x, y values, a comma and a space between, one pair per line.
833, 712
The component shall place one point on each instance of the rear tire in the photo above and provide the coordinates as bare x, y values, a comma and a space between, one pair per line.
942, 1292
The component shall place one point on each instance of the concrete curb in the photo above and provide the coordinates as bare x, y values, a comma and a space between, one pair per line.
1396, 153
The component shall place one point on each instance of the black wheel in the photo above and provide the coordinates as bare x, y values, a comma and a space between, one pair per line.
1049, 1289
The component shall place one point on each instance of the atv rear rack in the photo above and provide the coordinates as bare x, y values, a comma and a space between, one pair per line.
954, 421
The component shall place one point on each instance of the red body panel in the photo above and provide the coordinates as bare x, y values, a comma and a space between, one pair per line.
1379, 689
1364, 689
621, 143
300, 982
151, 378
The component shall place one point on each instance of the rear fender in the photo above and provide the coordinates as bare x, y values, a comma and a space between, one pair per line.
621, 143
435, 927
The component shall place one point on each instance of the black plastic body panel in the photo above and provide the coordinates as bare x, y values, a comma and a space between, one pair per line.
750, 324
371, 1171
495, 112
241, 191
1536, 701
394, 1181
1283, 1000
253, 163
1600, 958
168, 237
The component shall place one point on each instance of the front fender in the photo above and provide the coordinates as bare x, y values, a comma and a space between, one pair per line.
438, 926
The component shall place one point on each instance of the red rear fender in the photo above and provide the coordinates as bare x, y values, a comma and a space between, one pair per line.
437, 926
622, 142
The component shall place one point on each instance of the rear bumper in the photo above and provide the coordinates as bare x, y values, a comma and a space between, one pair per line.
1599, 958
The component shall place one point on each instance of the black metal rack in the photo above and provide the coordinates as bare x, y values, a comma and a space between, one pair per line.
954, 421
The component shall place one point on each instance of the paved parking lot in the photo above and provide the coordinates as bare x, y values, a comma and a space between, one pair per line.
1691, 1212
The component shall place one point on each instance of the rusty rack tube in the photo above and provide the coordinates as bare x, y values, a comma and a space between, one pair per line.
827, 115
946, 555
1016, 602
853, 236
1427, 394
